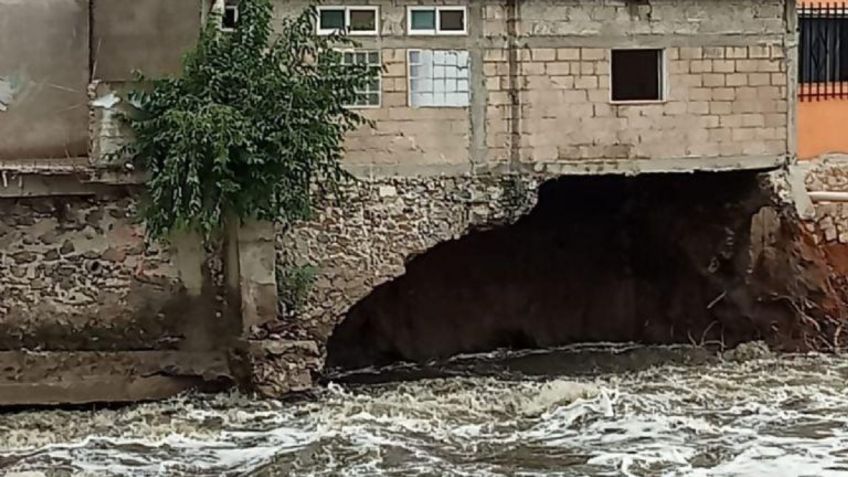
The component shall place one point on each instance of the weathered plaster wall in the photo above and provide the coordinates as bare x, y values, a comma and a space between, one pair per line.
76, 274
145, 35
43, 78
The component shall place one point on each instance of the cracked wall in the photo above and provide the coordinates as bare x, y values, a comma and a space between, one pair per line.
43, 79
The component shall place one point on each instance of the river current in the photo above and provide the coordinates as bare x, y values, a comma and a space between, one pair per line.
600, 410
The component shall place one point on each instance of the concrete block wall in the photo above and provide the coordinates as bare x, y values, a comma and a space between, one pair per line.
405, 135
540, 79
656, 17
722, 101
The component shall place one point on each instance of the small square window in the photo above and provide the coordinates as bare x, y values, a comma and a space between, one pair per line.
332, 19
369, 96
452, 20
637, 75
423, 20
444, 20
438, 78
363, 20
231, 15
354, 20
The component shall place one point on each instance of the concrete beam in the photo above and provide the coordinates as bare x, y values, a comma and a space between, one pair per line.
580, 167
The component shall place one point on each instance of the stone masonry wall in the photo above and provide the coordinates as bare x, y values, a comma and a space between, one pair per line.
364, 240
831, 224
76, 274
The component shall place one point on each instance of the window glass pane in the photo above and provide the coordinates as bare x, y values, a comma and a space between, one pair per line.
451, 20
636, 75
422, 99
363, 20
332, 19
438, 81
369, 93
423, 19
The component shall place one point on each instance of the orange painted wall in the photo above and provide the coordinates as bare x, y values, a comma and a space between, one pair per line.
823, 124
822, 127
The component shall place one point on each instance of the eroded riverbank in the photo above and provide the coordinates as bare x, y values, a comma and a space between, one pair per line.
614, 410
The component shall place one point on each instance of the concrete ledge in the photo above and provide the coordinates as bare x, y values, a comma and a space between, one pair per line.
577, 167
76, 377
111, 389
656, 166
61, 177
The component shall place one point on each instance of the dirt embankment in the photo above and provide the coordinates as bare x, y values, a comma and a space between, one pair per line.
653, 259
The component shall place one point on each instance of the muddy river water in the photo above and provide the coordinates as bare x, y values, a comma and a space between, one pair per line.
597, 410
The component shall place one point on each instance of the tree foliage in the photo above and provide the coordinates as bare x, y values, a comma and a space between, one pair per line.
254, 122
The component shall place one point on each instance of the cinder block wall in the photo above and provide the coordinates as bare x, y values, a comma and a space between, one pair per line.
540, 79
722, 101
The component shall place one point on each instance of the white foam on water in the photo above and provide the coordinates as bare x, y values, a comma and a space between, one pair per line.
773, 416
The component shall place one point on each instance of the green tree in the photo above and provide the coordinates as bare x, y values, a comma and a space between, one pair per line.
253, 124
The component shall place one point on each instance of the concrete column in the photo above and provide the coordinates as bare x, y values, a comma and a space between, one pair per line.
790, 49
188, 256
257, 273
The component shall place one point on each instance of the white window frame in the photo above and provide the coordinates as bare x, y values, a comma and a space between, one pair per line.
409, 79
379, 65
234, 7
662, 75
347, 9
438, 30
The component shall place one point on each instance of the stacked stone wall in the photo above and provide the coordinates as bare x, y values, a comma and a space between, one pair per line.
830, 226
77, 274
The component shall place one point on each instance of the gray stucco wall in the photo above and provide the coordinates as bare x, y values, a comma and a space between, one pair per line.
43, 78
146, 35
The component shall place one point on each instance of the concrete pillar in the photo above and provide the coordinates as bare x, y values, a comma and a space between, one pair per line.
188, 256
257, 273
250, 272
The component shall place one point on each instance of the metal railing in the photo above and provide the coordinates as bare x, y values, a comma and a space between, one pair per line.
823, 51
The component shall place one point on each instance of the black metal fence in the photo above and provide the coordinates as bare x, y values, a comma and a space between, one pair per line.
823, 51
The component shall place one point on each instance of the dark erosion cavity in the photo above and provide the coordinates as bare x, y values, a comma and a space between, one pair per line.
655, 259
